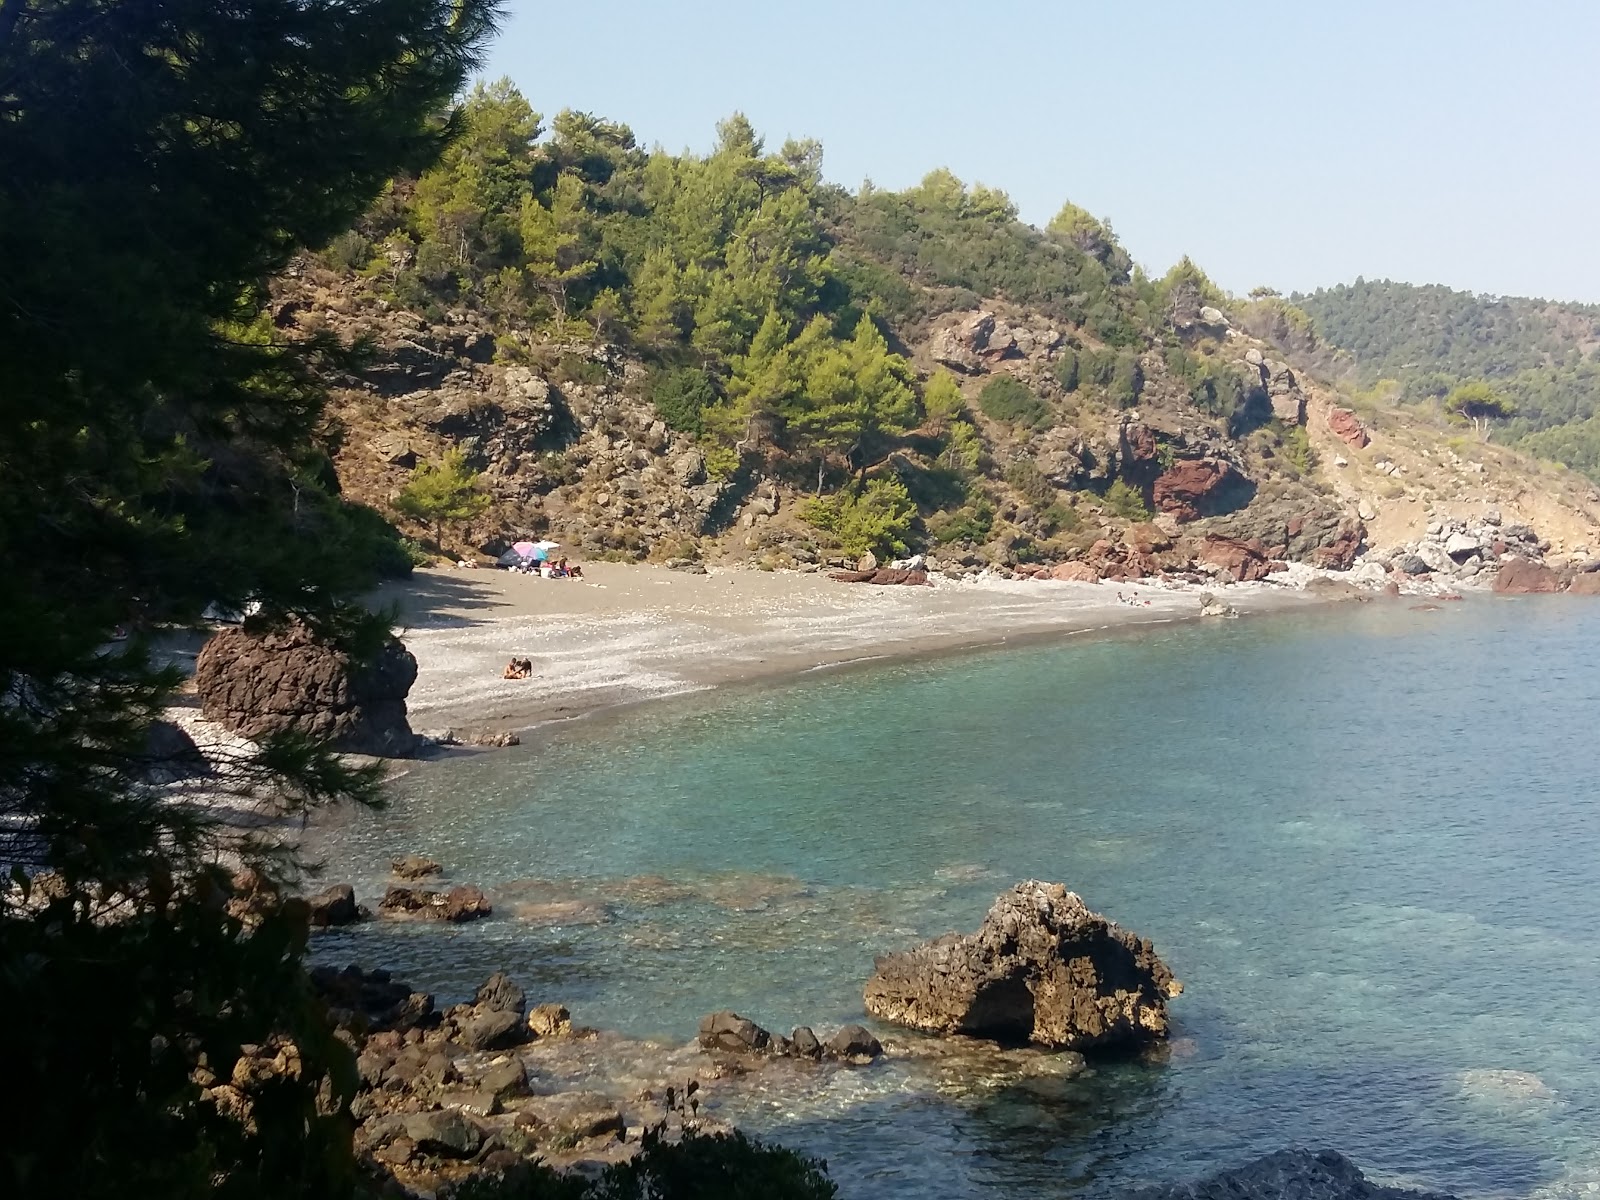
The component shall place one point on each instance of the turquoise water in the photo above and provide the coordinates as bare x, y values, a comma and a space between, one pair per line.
1366, 839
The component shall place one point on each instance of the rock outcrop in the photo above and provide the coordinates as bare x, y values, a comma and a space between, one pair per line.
1195, 488
729, 1033
1042, 968
288, 679
1522, 576
1240, 560
463, 903
1286, 1175
1347, 427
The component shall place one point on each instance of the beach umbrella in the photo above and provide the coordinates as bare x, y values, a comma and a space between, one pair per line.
524, 549
547, 545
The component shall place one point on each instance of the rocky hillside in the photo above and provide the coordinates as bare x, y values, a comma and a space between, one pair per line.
725, 359
570, 446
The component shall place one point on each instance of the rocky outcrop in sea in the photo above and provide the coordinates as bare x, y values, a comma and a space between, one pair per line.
1041, 969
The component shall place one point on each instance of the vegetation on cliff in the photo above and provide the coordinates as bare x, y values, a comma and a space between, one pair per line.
1539, 360
782, 321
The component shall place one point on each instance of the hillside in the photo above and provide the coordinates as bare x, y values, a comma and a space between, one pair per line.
1542, 357
724, 357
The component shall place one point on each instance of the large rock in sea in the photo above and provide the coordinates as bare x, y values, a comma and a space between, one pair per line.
289, 679
1523, 576
1286, 1175
1042, 968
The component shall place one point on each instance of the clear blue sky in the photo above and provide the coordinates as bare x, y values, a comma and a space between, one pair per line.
1291, 143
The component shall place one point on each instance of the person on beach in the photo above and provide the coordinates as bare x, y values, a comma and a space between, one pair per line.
518, 668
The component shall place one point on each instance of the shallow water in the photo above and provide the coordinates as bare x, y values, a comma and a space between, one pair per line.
1366, 839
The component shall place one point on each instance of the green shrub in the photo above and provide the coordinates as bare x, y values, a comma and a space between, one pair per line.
1127, 380
963, 449
681, 397
1295, 443
1005, 398
972, 522
1060, 518
1031, 483
722, 462
1124, 501
878, 519
579, 368
1066, 370
348, 252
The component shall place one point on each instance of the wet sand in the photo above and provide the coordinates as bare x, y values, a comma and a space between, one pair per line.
629, 633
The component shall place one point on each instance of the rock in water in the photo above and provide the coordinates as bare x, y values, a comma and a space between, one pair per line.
1286, 1175
288, 679
1522, 576
1042, 968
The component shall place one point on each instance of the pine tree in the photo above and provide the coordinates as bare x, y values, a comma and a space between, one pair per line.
158, 452
441, 493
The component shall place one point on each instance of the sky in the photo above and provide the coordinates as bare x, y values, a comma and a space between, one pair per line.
1293, 144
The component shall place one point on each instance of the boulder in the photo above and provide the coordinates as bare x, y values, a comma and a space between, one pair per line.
1245, 560
1586, 584
1461, 545
289, 679
335, 905
853, 1041
1409, 564
804, 1044
1210, 606
499, 994
1286, 1175
493, 1031
1042, 968
508, 1079
1347, 427
1523, 576
465, 903
1197, 487
459, 904
449, 1133
867, 562
414, 866
964, 347
729, 1031
549, 1020
1074, 572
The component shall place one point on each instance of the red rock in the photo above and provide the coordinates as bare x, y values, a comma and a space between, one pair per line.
1340, 553
1075, 572
1523, 576
1190, 489
1147, 538
1347, 427
1244, 559
1139, 446
1587, 584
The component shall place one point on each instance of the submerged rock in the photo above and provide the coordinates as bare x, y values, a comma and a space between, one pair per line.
1042, 968
1286, 1175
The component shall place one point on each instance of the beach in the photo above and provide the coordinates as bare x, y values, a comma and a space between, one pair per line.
629, 633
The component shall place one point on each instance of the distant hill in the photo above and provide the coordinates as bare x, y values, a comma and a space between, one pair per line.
1542, 355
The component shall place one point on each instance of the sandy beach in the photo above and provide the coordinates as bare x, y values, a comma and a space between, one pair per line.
629, 633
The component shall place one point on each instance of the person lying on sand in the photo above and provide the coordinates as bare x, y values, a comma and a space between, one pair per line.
518, 668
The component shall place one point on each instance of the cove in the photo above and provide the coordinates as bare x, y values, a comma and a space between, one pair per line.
1365, 838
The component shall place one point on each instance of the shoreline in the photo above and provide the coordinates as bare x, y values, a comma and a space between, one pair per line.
636, 633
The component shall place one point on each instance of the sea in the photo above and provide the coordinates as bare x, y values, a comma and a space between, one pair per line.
1365, 837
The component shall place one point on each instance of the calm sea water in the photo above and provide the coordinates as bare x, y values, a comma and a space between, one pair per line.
1368, 840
